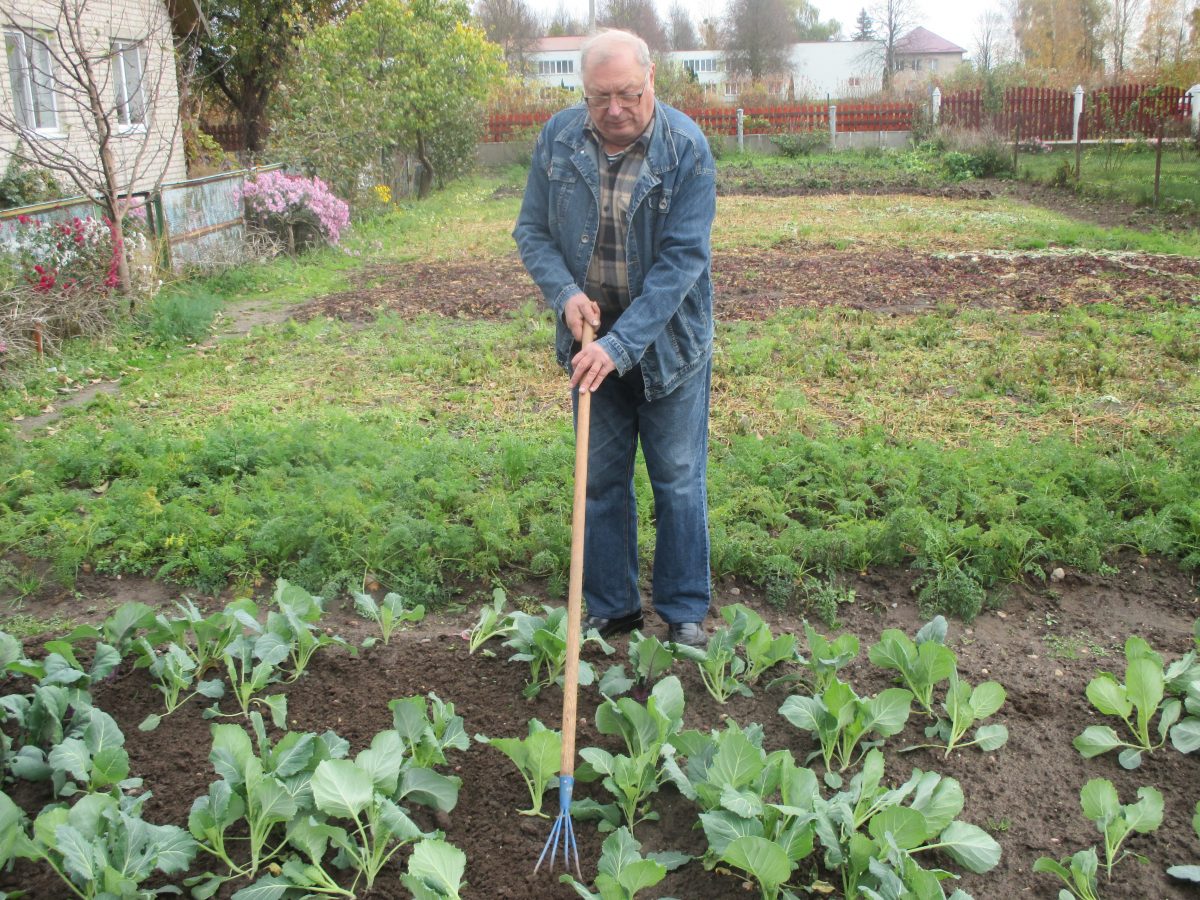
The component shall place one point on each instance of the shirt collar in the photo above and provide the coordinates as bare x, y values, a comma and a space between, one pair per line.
642, 140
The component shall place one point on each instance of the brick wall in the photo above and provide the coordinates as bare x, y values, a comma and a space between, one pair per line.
154, 150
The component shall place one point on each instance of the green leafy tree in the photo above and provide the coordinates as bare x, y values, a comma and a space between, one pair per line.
758, 35
247, 47
681, 31
638, 16
396, 74
808, 25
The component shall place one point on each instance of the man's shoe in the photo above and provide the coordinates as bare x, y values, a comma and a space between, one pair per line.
690, 633
609, 627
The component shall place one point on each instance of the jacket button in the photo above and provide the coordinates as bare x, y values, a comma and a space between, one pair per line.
662, 204
584, 239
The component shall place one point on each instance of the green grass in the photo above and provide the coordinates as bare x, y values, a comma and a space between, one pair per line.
923, 223
976, 446
1126, 172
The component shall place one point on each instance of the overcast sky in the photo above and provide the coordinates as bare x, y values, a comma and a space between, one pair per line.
952, 19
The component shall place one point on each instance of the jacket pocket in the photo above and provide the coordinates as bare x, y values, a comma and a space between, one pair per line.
563, 180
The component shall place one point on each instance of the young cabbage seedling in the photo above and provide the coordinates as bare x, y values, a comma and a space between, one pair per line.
360, 791
622, 871
763, 650
435, 871
99, 843
493, 622
826, 658
174, 672
1116, 821
388, 614
252, 662
841, 721
922, 664
93, 762
1136, 702
721, 669
964, 707
297, 623
762, 860
875, 835
542, 642
1078, 873
537, 757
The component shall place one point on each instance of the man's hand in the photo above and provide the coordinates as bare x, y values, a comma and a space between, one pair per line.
589, 367
580, 309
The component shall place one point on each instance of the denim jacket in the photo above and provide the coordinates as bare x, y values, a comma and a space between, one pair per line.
668, 326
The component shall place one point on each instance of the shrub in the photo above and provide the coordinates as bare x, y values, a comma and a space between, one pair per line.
22, 185
181, 316
802, 143
716, 142
282, 202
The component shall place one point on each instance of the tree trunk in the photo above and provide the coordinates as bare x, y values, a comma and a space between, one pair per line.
425, 184
254, 129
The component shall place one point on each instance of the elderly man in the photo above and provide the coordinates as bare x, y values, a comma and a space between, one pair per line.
614, 228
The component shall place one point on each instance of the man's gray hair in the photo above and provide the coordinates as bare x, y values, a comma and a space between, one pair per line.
605, 43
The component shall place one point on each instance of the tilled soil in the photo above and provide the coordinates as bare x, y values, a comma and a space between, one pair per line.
1044, 646
754, 284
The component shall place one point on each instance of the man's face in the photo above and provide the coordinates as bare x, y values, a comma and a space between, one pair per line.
617, 75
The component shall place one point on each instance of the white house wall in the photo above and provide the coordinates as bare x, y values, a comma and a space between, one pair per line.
104, 21
838, 69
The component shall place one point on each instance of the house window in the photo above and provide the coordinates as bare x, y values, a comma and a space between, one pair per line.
854, 82
128, 69
700, 65
556, 67
31, 75
933, 65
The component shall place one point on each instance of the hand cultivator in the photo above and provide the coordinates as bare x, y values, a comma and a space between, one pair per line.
563, 831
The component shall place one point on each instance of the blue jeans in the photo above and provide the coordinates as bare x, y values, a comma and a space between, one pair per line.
674, 435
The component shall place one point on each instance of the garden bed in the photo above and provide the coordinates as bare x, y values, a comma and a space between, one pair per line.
755, 283
1044, 646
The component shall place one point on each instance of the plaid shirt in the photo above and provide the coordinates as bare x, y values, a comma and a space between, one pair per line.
608, 274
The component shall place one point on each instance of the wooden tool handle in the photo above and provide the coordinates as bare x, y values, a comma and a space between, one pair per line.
583, 414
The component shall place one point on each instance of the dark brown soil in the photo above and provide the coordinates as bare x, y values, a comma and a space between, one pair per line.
1044, 646
754, 284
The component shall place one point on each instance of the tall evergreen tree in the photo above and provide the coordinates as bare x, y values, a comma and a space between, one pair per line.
864, 27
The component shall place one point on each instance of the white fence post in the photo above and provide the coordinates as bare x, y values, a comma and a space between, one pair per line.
833, 126
1078, 114
741, 123
1194, 93
935, 105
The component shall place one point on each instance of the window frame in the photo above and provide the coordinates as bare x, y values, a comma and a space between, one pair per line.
23, 81
127, 104
556, 67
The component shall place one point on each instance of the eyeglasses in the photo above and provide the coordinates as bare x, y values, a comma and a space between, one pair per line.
625, 101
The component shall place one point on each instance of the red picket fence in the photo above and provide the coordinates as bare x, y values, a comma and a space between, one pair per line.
1133, 109
1047, 114
787, 119
875, 116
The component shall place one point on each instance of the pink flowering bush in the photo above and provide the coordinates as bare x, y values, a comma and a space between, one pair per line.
279, 199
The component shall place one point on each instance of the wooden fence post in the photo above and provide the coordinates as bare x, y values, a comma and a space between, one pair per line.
1158, 162
1016, 142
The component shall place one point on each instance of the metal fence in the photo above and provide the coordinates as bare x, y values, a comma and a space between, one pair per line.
198, 223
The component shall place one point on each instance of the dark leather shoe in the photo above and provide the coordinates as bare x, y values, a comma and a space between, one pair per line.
690, 633
609, 627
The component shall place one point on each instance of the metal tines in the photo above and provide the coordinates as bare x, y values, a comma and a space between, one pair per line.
563, 831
